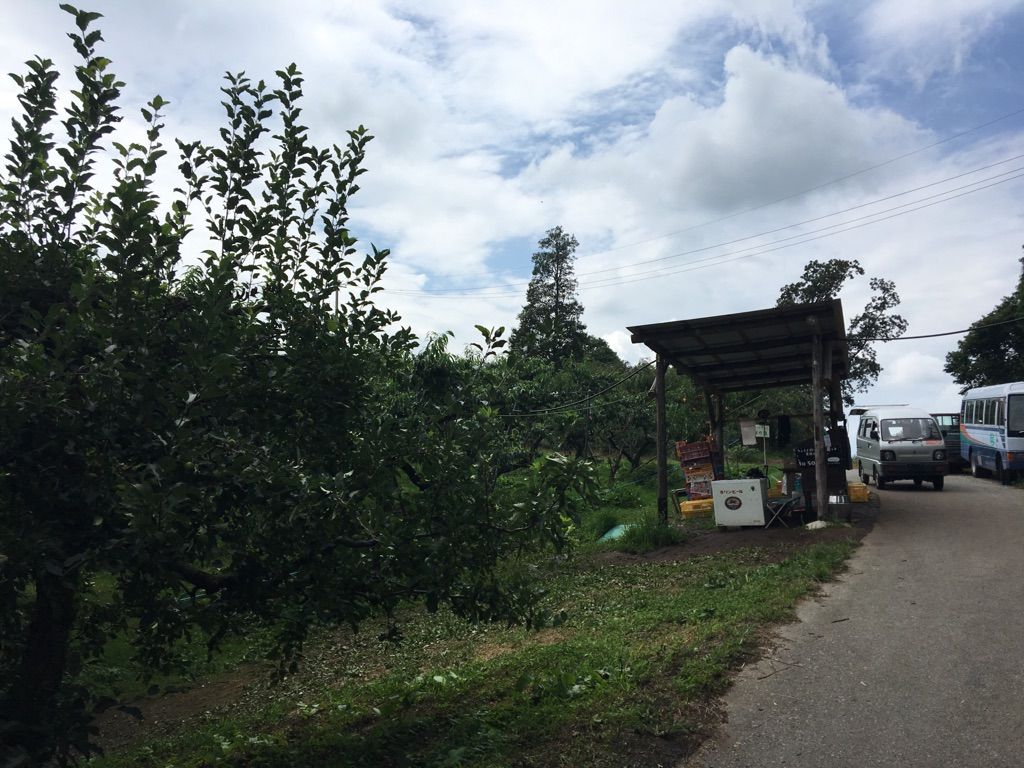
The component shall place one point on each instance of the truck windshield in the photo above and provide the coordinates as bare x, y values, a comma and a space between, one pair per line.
910, 429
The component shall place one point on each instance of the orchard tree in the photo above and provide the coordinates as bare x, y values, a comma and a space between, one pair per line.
240, 438
627, 425
992, 352
822, 281
550, 323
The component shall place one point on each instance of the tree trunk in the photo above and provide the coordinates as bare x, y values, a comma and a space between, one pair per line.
32, 698
614, 462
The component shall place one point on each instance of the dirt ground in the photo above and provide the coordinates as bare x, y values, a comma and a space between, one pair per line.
778, 540
167, 714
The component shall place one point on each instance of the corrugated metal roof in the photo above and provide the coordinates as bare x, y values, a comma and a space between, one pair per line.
752, 350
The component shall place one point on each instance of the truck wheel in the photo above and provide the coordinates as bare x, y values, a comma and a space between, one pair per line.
939, 482
879, 480
863, 475
918, 482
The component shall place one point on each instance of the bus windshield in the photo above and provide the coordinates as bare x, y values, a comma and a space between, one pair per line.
910, 429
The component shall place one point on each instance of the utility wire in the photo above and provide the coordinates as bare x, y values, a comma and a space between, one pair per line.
568, 406
947, 333
764, 233
752, 251
867, 219
815, 188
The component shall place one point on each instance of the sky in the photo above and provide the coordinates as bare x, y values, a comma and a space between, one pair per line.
701, 153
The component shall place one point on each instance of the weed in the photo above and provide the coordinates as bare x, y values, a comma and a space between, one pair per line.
647, 535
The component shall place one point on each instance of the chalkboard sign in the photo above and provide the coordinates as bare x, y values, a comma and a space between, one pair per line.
805, 457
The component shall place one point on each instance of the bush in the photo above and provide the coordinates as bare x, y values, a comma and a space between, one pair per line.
648, 535
622, 495
599, 524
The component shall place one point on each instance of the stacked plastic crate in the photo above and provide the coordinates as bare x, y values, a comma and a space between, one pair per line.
701, 464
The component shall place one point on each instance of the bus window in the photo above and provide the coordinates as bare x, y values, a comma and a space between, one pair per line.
990, 412
999, 413
1015, 416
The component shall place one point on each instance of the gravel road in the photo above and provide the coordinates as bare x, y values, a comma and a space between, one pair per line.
914, 658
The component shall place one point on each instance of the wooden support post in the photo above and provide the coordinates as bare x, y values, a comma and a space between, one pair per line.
835, 401
709, 398
820, 473
662, 430
716, 418
835, 398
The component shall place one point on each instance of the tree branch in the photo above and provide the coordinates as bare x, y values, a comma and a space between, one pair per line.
211, 582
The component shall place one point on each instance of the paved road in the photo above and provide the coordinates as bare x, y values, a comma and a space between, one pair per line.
914, 658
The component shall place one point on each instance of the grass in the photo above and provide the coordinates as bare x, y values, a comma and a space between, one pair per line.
624, 675
641, 649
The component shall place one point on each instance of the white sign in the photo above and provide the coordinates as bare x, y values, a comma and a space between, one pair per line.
762, 430
748, 432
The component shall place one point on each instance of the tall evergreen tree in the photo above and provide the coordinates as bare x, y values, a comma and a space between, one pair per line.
550, 324
992, 352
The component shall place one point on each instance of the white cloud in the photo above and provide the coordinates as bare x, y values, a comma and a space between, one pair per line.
914, 40
622, 124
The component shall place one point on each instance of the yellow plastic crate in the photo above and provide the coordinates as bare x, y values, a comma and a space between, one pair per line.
697, 508
858, 492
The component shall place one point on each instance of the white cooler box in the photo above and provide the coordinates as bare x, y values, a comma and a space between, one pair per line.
740, 502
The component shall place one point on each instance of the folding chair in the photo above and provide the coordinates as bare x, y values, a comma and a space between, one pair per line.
779, 508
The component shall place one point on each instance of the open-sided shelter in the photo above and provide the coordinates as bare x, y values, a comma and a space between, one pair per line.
764, 349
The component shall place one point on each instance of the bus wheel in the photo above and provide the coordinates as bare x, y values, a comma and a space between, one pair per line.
918, 482
976, 469
1002, 474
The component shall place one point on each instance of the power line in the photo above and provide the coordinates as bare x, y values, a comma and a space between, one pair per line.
567, 406
946, 333
748, 237
827, 215
871, 218
794, 195
759, 250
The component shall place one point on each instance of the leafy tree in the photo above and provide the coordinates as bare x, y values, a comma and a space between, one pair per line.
239, 439
627, 424
992, 352
550, 323
822, 281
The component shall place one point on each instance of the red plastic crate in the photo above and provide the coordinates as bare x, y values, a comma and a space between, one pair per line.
699, 472
700, 489
693, 451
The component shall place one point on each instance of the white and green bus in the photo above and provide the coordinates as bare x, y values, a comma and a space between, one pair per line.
992, 430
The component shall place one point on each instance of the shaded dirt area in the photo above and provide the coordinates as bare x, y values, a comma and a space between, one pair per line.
167, 714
